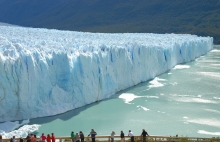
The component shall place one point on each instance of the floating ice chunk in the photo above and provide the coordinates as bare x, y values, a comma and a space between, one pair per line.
181, 67
155, 83
128, 97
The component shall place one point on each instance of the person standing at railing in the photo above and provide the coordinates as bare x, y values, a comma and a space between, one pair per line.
122, 135
77, 138
112, 136
0, 138
93, 134
35, 138
72, 136
144, 134
53, 138
21, 139
13, 139
28, 138
131, 135
43, 138
32, 138
48, 138
81, 135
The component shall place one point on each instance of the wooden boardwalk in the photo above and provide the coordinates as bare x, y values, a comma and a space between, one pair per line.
136, 139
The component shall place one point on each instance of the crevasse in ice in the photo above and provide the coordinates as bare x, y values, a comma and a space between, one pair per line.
46, 72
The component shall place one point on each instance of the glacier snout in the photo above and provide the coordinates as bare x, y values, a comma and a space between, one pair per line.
47, 72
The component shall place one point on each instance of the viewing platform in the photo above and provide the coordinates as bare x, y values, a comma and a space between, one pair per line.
136, 139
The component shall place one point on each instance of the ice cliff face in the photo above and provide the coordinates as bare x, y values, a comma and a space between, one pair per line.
47, 72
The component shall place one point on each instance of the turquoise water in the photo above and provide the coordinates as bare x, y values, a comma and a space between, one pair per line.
183, 101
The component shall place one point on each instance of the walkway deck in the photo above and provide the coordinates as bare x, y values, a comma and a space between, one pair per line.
138, 139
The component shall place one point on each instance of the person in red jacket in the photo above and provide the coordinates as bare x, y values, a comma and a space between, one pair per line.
53, 137
48, 138
43, 138
32, 138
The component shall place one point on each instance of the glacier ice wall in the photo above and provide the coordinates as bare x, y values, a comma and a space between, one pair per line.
47, 72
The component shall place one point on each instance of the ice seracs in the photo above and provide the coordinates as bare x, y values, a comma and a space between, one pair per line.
46, 72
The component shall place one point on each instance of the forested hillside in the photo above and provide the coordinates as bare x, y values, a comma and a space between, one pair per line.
201, 17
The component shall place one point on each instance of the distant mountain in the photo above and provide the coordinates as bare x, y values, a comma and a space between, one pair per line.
201, 17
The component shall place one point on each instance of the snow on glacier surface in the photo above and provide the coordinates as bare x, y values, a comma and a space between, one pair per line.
46, 72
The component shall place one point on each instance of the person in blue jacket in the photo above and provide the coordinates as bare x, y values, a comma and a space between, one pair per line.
92, 134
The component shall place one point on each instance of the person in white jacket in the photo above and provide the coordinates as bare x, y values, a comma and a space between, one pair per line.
77, 138
112, 136
131, 135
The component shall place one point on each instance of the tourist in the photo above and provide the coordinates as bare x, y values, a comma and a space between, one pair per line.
72, 136
43, 138
77, 138
131, 135
35, 138
81, 135
112, 136
92, 133
48, 138
53, 138
122, 135
0, 138
28, 138
21, 139
32, 138
144, 134
13, 139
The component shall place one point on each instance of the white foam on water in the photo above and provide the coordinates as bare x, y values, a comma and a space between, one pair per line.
209, 122
144, 108
181, 67
210, 74
175, 83
216, 98
215, 50
175, 95
208, 133
208, 61
212, 110
216, 65
152, 97
196, 100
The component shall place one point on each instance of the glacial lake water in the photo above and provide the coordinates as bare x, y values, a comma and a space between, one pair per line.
183, 101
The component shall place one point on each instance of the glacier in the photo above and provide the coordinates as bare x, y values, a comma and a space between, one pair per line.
46, 72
